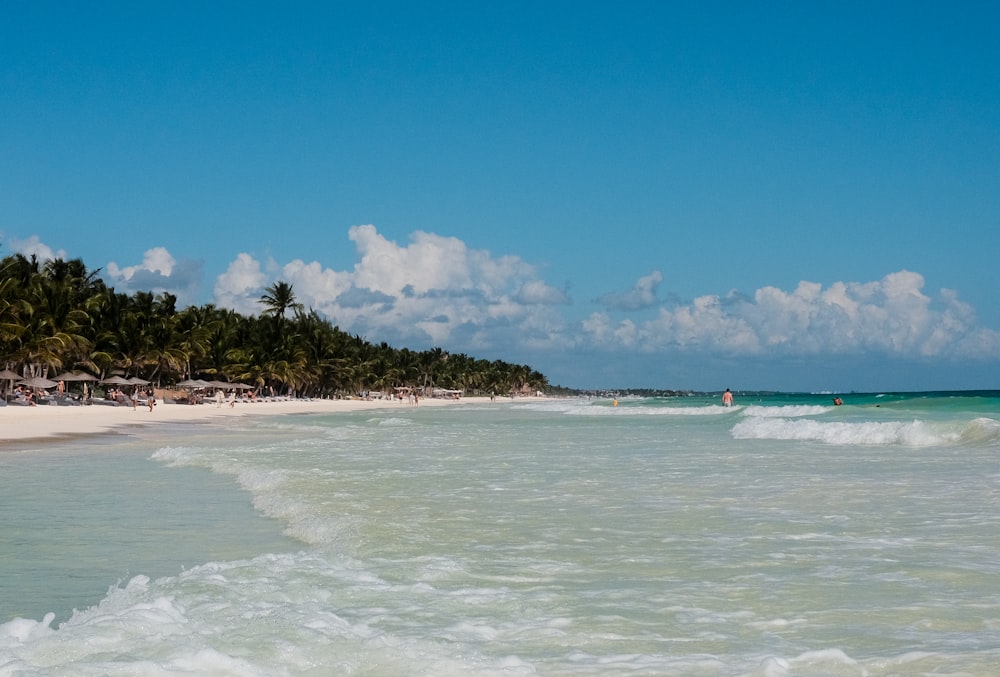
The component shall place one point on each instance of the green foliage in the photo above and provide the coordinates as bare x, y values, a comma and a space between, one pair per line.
60, 316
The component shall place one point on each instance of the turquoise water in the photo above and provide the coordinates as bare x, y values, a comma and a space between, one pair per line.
76, 521
782, 536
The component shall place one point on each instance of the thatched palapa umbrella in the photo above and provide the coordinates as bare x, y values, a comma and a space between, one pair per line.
11, 376
116, 381
38, 382
74, 376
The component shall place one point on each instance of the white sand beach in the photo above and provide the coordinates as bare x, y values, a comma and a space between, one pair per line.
45, 421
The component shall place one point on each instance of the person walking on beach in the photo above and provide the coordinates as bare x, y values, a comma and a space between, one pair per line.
727, 398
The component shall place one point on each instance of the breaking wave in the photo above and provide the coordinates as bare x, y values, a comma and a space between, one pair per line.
786, 411
916, 433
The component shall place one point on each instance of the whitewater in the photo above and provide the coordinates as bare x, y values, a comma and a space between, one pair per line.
655, 536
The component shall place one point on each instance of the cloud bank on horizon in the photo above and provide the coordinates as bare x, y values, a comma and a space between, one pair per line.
438, 291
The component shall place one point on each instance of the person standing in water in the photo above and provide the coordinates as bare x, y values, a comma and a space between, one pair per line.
727, 398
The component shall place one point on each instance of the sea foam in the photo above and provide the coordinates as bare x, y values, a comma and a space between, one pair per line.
786, 411
913, 433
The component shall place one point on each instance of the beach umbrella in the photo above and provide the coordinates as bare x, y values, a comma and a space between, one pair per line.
136, 381
11, 376
38, 382
116, 381
74, 376
194, 383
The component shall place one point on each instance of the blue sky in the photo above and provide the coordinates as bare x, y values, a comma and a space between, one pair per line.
649, 194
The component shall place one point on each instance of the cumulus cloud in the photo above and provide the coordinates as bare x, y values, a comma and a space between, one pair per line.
33, 246
536, 291
240, 287
642, 295
158, 272
892, 317
433, 290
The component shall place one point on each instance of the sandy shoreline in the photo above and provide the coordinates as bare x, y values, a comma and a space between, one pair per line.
49, 422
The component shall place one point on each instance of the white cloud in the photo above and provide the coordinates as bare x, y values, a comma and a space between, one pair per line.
33, 246
433, 290
892, 317
536, 291
642, 295
157, 260
158, 272
431, 263
315, 286
241, 286
437, 291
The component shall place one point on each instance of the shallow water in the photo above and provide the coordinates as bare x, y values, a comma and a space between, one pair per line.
80, 517
783, 536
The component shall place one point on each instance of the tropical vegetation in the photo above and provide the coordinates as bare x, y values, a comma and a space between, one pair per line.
58, 316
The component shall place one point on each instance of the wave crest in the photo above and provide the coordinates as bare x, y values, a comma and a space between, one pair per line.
786, 411
604, 408
870, 433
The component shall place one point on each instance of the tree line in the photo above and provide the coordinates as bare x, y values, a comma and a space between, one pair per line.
59, 316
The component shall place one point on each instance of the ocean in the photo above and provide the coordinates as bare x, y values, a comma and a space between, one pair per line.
662, 536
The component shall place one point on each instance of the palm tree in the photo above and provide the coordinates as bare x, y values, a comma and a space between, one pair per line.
278, 299
56, 325
60, 315
431, 362
193, 331
222, 339
164, 349
13, 307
